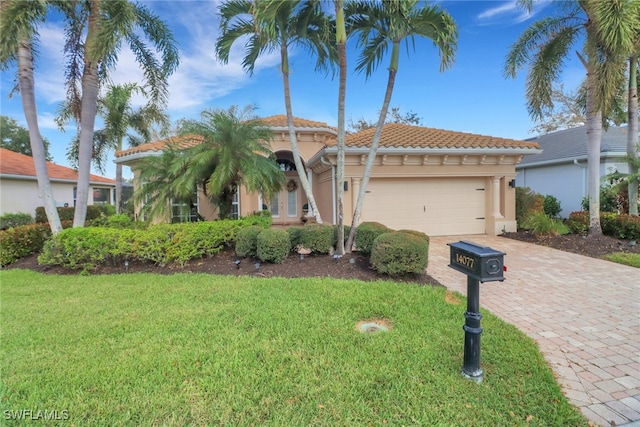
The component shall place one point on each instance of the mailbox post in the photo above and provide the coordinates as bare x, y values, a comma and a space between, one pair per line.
480, 264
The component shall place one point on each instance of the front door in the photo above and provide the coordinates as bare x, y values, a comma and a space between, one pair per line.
284, 205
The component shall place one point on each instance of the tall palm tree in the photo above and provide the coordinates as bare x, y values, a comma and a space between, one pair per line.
233, 150
380, 26
633, 148
607, 28
121, 121
19, 28
341, 42
96, 31
278, 25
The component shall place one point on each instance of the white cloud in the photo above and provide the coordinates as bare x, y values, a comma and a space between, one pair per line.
510, 13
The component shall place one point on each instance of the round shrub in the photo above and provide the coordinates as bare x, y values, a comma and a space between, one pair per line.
9, 220
295, 235
366, 233
419, 234
400, 253
247, 241
273, 245
551, 206
578, 222
318, 237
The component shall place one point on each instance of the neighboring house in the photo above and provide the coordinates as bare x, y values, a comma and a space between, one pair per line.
19, 187
436, 181
561, 169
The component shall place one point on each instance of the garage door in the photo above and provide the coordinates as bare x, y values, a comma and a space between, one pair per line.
436, 206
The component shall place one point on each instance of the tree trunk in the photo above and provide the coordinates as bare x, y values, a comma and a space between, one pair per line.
90, 89
594, 138
118, 188
341, 37
393, 69
292, 136
27, 94
632, 136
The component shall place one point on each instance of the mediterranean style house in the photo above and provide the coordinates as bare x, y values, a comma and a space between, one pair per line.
19, 191
435, 181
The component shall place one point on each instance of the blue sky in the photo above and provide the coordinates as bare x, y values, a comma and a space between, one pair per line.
472, 96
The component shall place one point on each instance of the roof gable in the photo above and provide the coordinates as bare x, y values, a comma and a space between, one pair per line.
12, 163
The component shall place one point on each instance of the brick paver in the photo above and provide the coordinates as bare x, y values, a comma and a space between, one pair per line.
584, 314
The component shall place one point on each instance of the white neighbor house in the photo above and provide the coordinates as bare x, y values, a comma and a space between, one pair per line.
561, 169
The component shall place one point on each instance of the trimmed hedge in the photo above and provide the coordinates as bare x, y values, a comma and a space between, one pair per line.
295, 236
366, 233
273, 245
247, 241
400, 253
318, 237
19, 242
621, 226
66, 214
9, 220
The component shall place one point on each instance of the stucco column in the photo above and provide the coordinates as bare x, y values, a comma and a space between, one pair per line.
310, 179
355, 190
497, 194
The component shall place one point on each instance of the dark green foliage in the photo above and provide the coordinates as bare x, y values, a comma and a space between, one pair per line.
346, 228
527, 202
400, 253
551, 206
318, 237
578, 222
608, 200
19, 242
115, 221
295, 236
9, 220
247, 241
366, 233
419, 234
273, 245
621, 226
66, 214
14, 137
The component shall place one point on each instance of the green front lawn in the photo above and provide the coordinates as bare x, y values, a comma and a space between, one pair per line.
625, 258
193, 349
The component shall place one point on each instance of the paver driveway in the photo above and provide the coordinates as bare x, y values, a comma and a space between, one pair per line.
584, 313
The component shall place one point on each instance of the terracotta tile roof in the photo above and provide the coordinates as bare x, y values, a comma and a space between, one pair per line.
405, 136
12, 163
181, 142
281, 121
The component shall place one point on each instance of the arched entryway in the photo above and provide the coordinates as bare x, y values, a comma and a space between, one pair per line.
287, 206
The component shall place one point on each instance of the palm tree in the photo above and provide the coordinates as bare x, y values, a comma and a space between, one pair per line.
233, 149
383, 25
278, 25
632, 130
120, 118
104, 26
19, 27
607, 28
341, 41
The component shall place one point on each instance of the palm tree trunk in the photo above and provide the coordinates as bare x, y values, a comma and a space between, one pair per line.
90, 88
594, 138
292, 135
393, 69
632, 136
27, 94
341, 37
118, 188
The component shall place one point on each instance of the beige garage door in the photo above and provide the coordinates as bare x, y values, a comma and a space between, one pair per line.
436, 206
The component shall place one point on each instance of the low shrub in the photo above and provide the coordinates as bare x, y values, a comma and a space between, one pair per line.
22, 241
419, 234
400, 253
115, 221
366, 233
247, 240
67, 214
551, 206
543, 225
578, 222
318, 237
609, 224
527, 203
261, 218
273, 245
627, 227
295, 236
9, 220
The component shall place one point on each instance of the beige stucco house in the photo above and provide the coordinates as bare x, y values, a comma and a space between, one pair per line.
19, 191
436, 181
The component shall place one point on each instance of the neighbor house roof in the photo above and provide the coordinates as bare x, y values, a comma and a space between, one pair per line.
569, 144
19, 165
395, 135
280, 120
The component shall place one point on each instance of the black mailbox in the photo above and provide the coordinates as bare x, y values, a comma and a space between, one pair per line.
478, 262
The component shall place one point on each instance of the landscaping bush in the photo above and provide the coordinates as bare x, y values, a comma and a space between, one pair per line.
247, 240
527, 202
543, 225
400, 253
22, 241
295, 236
608, 200
609, 224
115, 221
578, 222
273, 245
66, 214
419, 234
9, 220
366, 233
551, 206
347, 230
318, 237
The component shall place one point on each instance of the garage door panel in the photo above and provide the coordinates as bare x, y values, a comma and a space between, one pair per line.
436, 206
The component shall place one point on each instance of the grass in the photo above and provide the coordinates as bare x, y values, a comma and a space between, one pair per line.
625, 258
191, 349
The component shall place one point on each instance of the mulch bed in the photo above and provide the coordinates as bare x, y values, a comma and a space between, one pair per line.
592, 246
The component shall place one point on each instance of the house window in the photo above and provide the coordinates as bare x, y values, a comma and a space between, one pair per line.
101, 196
235, 205
185, 211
